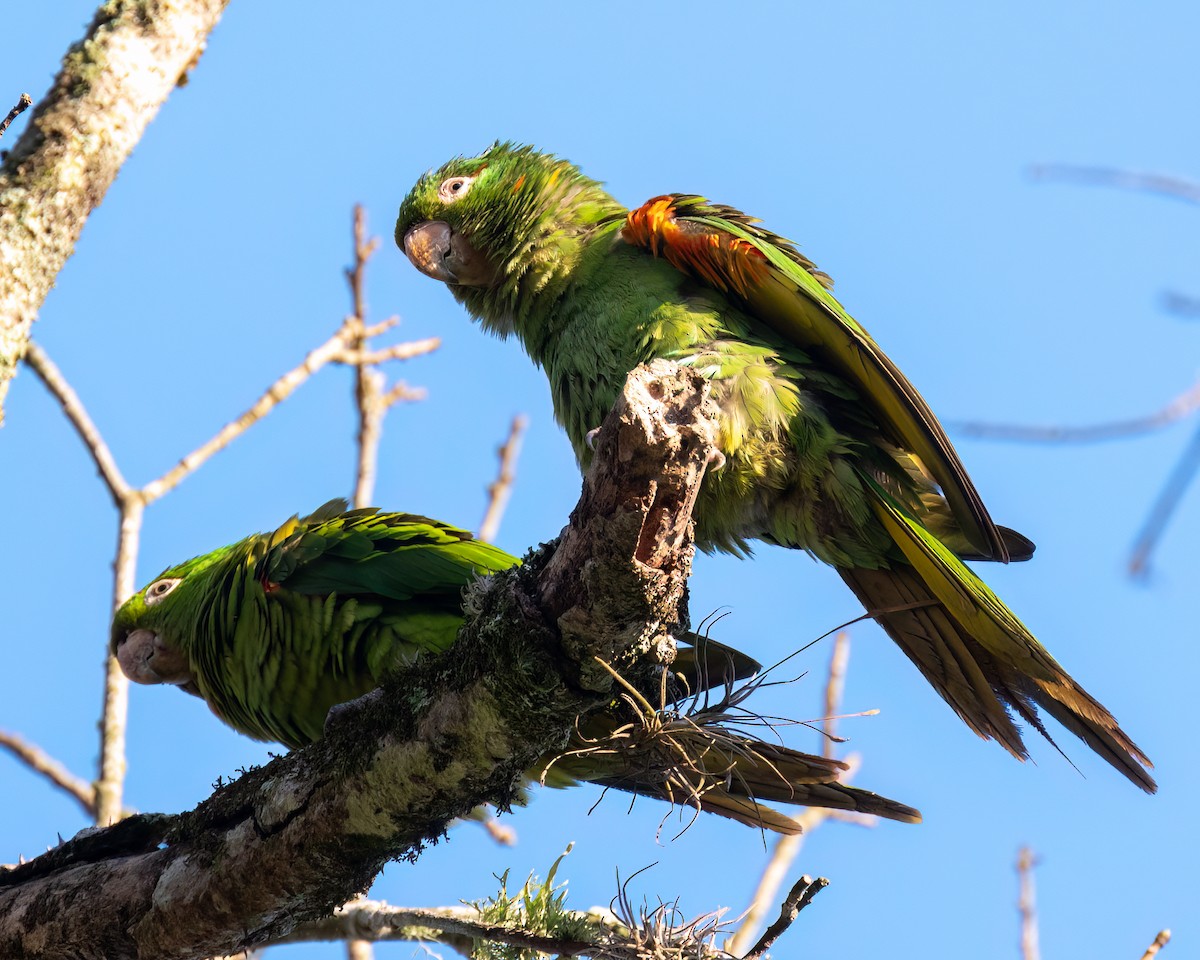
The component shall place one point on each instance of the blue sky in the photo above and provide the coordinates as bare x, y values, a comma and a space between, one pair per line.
892, 143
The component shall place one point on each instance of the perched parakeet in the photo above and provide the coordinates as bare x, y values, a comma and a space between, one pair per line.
828, 447
274, 630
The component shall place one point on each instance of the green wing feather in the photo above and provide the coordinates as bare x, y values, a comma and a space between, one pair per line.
787, 293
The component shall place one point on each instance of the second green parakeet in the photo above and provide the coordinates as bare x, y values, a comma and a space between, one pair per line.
828, 447
276, 629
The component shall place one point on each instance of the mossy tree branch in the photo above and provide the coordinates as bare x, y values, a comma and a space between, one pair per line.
291, 841
111, 84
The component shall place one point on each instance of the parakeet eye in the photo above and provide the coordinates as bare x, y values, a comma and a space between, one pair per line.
454, 188
160, 588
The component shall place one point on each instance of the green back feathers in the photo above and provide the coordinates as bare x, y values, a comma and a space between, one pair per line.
280, 626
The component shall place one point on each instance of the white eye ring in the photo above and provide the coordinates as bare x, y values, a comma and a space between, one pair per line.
160, 588
454, 188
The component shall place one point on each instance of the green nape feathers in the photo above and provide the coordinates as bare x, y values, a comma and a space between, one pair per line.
278, 628
828, 447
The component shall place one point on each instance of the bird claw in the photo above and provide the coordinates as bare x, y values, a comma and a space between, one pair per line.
716, 459
590, 439
340, 712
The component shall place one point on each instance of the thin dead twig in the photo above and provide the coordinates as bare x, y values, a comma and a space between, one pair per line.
787, 848
500, 833
1164, 506
500, 489
23, 104
47, 371
1027, 905
38, 760
1163, 938
115, 717
1176, 188
372, 397
1179, 408
106, 800
1181, 304
275, 394
800, 897
359, 950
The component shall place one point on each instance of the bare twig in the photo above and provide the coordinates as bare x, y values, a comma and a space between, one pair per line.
56, 383
106, 802
500, 489
401, 391
1181, 304
1177, 484
359, 950
275, 394
1027, 905
333, 350
113, 721
41, 762
800, 897
839, 660
787, 848
501, 833
1177, 409
1168, 499
22, 105
368, 383
1176, 188
1163, 938
371, 395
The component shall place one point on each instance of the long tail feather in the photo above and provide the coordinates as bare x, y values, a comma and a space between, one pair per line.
975, 652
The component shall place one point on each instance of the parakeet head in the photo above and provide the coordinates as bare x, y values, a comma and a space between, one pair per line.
149, 634
506, 222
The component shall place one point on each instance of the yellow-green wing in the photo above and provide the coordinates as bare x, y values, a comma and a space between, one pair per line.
723, 248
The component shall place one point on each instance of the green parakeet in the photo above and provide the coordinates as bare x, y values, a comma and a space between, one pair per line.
828, 447
274, 630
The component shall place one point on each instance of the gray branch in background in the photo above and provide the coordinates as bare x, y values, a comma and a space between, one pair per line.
109, 88
291, 841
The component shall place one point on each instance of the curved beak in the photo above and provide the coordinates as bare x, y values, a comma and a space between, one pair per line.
437, 251
144, 658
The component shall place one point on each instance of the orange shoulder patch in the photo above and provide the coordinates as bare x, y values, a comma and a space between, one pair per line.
726, 262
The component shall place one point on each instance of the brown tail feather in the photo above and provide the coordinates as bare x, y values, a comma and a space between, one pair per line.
979, 685
946, 654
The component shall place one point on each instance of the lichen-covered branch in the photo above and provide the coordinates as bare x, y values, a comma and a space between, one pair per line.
111, 85
289, 842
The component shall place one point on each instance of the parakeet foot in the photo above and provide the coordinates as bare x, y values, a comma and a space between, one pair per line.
341, 713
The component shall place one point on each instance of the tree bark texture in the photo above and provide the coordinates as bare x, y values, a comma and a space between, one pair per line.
291, 841
110, 87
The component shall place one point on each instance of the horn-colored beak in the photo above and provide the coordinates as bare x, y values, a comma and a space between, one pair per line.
437, 251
